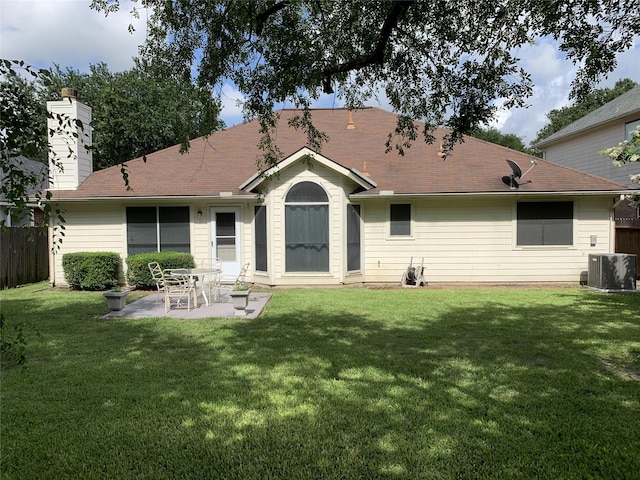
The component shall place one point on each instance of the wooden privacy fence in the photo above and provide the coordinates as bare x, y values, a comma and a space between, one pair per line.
24, 256
628, 241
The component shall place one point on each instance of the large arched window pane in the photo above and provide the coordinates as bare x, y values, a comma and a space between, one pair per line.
307, 192
307, 228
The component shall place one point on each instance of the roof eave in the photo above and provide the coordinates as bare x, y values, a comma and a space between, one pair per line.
517, 193
253, 182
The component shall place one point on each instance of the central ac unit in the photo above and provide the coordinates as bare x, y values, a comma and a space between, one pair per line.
612, 271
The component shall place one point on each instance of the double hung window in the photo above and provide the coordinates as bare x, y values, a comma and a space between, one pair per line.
158, 229
545, 223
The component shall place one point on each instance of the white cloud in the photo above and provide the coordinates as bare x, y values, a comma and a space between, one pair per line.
68, 33
232, 101
552, 75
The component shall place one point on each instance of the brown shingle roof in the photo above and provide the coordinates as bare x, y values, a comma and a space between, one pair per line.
224, 160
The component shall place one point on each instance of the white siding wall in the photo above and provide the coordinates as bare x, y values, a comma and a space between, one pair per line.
474, 240
90, 227
77, 167
101, 226
581, 153
336, 186
461, 240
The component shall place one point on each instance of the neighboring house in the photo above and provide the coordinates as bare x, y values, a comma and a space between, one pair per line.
34, 175
578, 144
349, 213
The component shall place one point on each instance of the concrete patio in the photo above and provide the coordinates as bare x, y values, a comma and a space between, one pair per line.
146, 307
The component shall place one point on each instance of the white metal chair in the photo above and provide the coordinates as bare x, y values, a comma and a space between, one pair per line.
156, 274
177, 287
230, 282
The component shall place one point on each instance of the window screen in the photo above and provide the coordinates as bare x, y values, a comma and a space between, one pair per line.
353, 237
142, 231
307, 229
226, 236
400, 219
152, 229
545, 223
174, 229
260, 225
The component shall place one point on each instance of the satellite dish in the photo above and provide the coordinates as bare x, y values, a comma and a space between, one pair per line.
517, 171
513, 180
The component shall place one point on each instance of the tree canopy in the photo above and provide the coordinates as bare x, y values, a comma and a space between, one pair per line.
557, 119
446, 63
134, 113
509, 140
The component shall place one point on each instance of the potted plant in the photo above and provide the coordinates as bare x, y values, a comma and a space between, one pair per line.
240, 297
116, 298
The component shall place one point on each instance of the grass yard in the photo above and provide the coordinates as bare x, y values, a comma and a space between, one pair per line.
328, 384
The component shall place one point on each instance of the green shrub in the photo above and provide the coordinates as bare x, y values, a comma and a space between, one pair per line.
91, 270
138, 273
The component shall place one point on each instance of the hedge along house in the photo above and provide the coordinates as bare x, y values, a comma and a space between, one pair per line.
349, 213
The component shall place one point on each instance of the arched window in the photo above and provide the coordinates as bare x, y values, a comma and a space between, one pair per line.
307, 228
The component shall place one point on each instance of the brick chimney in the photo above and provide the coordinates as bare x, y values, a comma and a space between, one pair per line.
70, 162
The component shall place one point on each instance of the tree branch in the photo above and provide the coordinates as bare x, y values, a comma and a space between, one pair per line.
376, 56
262, 17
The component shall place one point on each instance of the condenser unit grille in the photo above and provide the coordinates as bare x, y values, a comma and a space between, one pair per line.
612, 271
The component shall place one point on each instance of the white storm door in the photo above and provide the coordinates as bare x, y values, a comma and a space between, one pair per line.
226, 239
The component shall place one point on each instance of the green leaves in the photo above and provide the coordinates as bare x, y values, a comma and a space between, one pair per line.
445, 63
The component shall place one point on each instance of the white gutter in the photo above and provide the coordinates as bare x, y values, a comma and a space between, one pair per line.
224, 196
391, 194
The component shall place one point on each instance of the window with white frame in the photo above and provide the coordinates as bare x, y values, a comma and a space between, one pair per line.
545, 223
353, 237
400, 219
307, 228
260, 227
630, 127
158, 229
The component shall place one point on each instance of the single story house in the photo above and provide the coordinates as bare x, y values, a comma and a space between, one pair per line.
349, 213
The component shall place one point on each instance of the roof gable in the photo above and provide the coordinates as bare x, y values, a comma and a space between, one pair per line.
353, 174
224, 163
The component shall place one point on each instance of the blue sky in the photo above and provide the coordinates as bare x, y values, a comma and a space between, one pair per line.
69, 33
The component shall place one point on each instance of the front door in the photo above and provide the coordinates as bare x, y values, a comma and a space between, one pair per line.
226, 242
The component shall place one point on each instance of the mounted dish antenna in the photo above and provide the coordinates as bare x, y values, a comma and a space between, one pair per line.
514, 180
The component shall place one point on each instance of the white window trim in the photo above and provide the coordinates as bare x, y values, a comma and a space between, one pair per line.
412, 225
514, 229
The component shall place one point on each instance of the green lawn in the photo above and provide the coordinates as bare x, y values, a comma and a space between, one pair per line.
336, 383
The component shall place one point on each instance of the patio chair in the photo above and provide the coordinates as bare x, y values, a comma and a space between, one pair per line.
231, 280
177, 287
156, 273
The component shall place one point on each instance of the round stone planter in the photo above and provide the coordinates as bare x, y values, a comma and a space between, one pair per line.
116, 300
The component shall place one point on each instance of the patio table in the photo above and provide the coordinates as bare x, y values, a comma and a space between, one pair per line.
195, 274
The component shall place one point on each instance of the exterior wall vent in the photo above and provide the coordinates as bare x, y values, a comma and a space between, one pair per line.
612, 271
